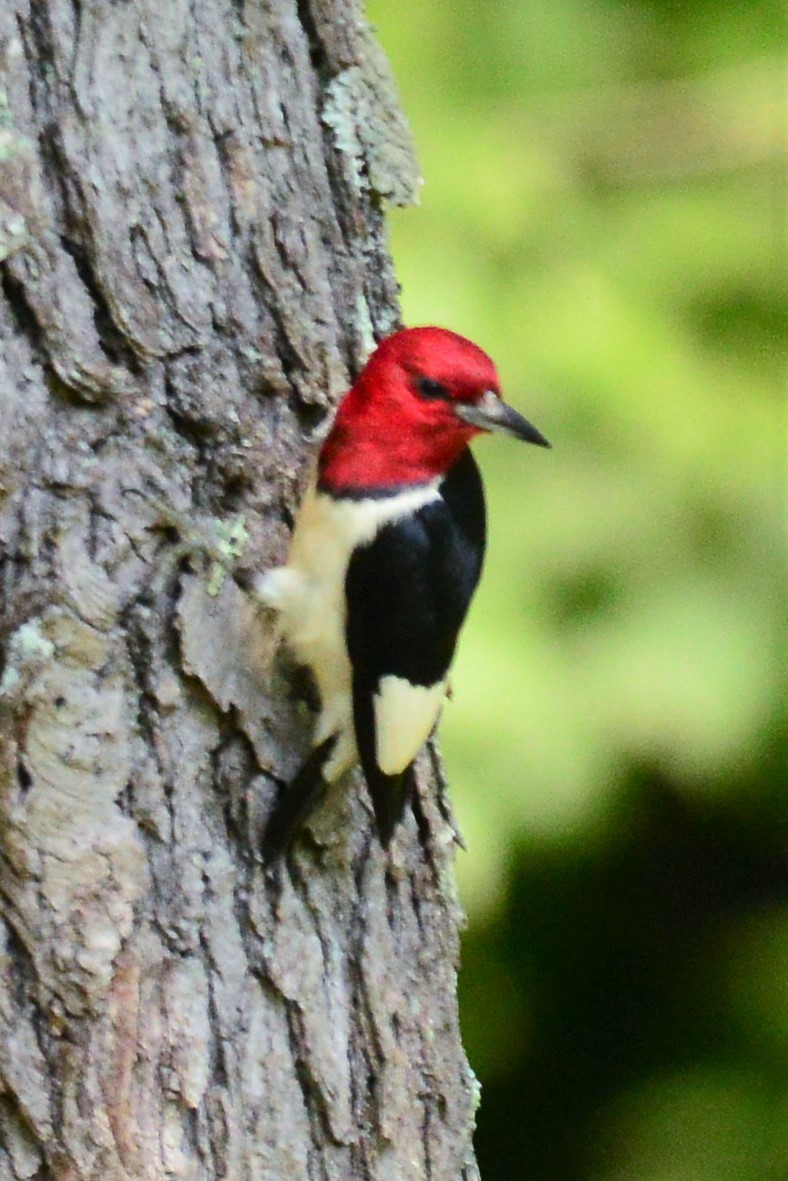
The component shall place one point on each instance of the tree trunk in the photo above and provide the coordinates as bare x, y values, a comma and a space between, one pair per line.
193, 267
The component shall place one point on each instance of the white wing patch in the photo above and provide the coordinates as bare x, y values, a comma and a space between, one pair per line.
404, 717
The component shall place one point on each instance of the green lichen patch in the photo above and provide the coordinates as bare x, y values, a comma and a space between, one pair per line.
362, 108
231, 538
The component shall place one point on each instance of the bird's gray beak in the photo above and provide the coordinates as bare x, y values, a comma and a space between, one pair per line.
490, 413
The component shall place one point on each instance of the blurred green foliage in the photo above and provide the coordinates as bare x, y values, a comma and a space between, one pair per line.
604, 213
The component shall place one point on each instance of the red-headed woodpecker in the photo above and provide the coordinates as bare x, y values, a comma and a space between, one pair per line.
384, 559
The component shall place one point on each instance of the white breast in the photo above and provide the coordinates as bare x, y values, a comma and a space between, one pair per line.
309, 594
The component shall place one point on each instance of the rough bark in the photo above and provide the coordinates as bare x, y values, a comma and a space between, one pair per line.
193, 266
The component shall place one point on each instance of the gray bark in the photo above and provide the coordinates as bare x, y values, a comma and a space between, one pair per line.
193, 265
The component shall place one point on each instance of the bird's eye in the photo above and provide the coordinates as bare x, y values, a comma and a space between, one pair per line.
432, 390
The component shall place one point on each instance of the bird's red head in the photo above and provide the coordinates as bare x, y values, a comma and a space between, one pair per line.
420, 399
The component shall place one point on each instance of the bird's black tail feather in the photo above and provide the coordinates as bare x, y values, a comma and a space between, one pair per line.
390, 795
297, 801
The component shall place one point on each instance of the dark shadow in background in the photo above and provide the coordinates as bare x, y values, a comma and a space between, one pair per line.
610, 948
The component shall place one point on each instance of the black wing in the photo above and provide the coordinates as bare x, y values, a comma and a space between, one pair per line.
408, 593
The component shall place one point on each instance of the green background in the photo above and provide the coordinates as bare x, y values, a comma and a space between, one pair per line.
603, 212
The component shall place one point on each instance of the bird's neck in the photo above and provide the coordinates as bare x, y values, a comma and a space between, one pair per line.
370, 461
377, 445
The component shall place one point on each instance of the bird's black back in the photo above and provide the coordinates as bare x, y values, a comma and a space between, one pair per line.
408, 592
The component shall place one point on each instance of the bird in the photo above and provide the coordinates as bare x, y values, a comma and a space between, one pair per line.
385, 555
